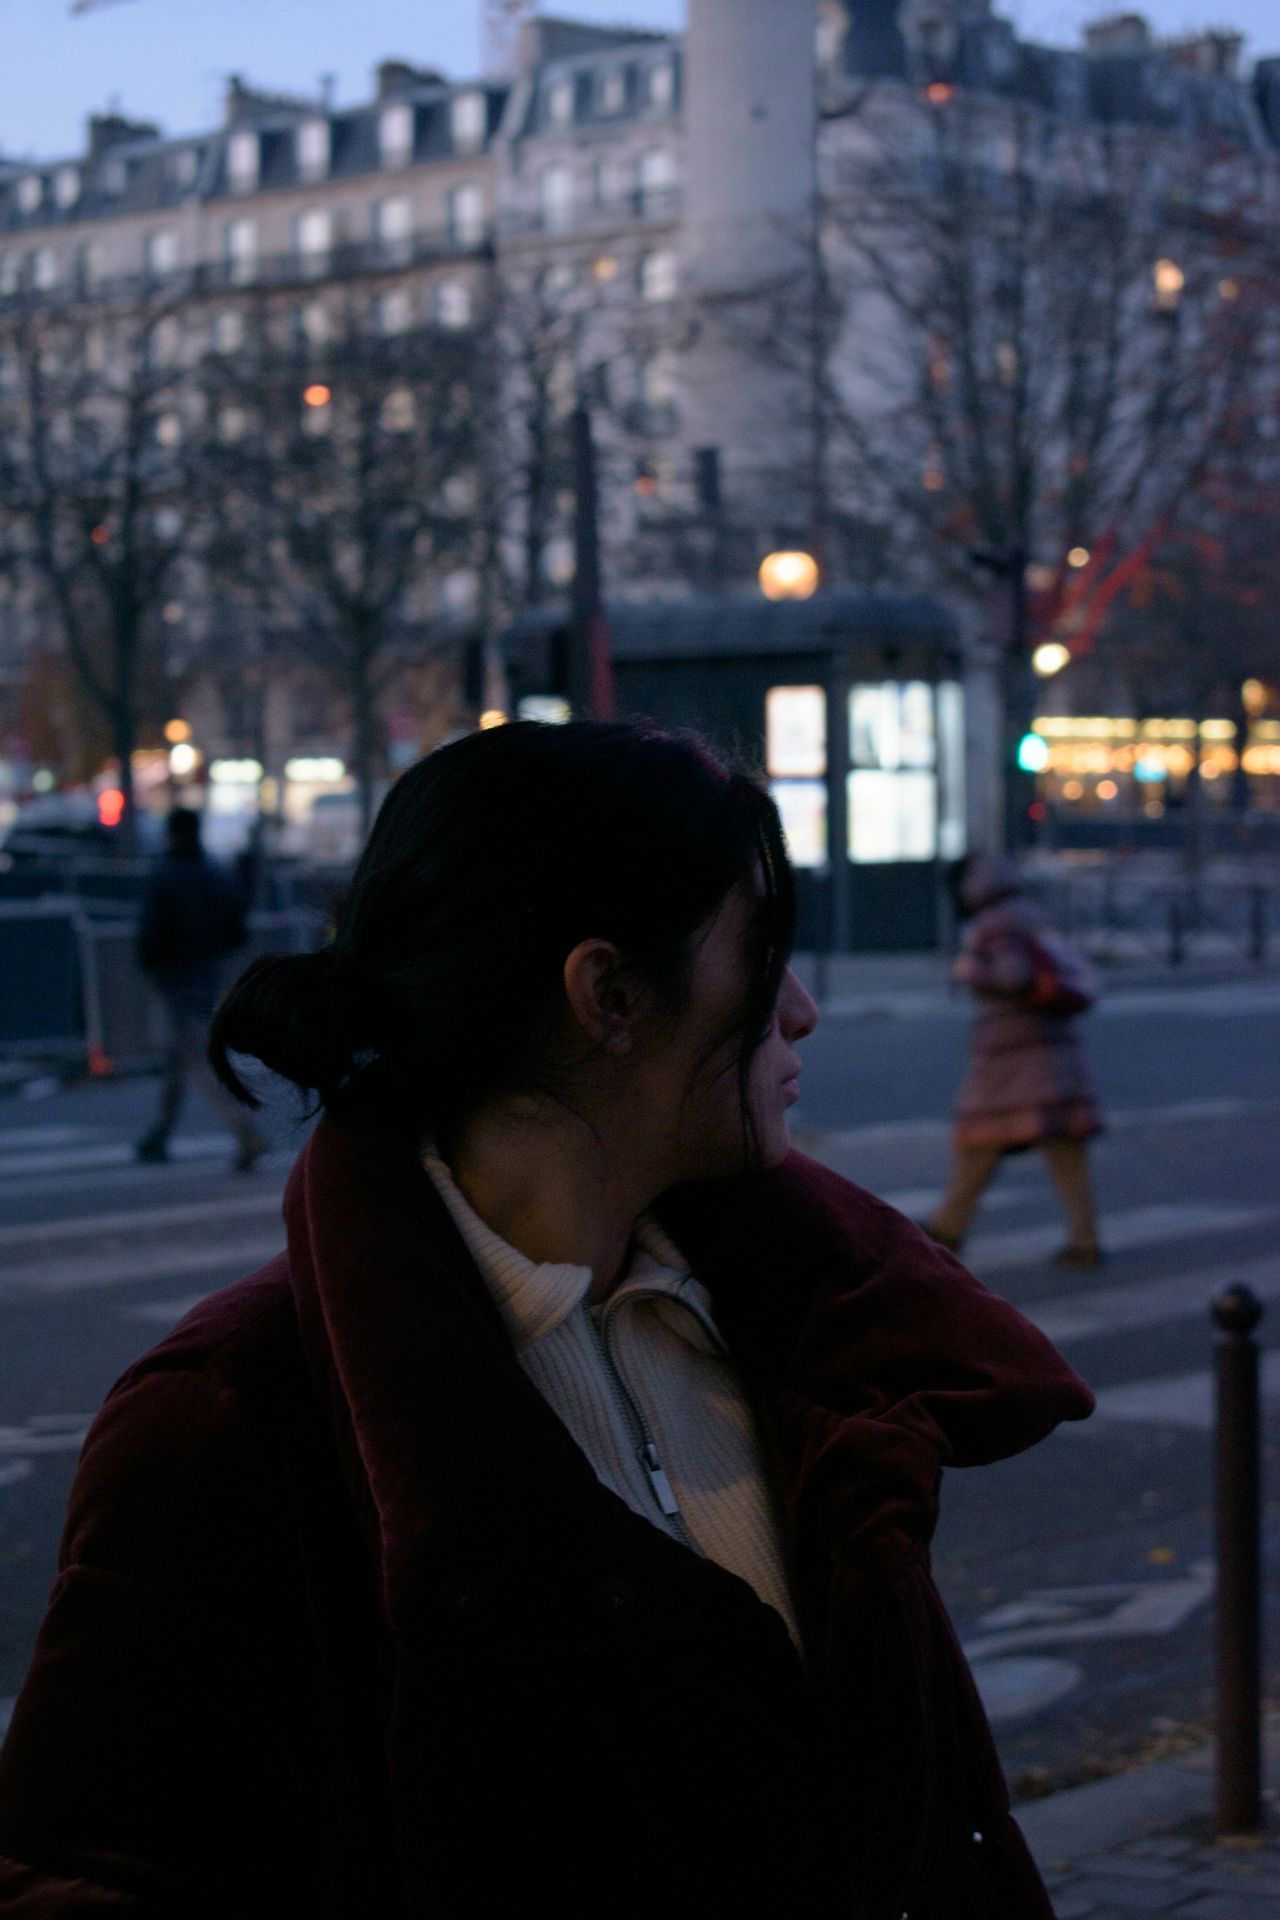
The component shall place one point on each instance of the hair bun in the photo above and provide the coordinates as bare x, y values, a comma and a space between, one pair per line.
293, 1012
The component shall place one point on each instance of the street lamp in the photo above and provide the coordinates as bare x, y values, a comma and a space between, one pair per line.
1050, 658
789, 575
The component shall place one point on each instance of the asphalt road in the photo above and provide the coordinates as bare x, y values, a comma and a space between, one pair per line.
1080, 1575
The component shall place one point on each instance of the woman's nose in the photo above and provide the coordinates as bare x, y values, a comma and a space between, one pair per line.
797, 1008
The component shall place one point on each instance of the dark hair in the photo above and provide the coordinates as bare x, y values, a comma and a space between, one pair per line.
488, 863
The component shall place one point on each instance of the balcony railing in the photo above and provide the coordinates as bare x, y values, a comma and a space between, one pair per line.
645, 205
249, 272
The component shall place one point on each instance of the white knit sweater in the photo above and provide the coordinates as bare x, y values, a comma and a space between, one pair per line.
644, 1384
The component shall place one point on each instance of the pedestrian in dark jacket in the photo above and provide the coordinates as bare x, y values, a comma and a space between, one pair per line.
1029, 1083
192, 918
548, 1527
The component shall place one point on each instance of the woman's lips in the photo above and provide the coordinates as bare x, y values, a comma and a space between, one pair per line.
791, 1090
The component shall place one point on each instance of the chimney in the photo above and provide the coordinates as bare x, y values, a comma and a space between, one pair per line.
113, 130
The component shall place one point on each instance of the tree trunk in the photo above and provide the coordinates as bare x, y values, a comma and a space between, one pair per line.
364, 736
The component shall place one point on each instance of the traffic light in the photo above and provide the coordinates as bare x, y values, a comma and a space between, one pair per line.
1033, 753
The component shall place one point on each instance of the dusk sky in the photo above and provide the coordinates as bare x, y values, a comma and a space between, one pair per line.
167, 59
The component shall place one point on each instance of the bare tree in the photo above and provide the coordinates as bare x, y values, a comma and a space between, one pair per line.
348, 487
100, 495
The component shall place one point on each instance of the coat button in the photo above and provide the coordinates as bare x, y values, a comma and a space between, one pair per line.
462, 1598
617, 1600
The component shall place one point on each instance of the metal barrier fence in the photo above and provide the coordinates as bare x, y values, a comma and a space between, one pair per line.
1119, 914
71, 988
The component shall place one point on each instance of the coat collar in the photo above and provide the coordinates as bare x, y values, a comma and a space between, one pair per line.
872, 1359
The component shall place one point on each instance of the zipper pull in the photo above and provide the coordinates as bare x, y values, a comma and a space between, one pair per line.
662, 1489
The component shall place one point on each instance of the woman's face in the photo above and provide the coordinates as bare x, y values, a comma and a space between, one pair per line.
695, 1091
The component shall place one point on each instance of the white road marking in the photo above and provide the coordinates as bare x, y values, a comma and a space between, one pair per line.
1016, 1687
16, 1139
59, 1433
112, 1153
139, 1219
1145, 1303
166, 1312
158, 1263
1121, 1232
1091, 1613
1177, 1399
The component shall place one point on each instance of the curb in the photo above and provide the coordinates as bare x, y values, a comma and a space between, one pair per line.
1065, 1827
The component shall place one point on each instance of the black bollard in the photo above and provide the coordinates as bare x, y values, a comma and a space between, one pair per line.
1237, 1312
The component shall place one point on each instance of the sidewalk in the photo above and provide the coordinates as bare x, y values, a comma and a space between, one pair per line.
1143, 1842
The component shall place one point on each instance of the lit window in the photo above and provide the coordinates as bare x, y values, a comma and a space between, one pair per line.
894, 791
952, 837
394, 310
560, 103
395, 134
453, 303
658, 276
44, 268
796, 760
891, 817
558, 560
163, 252
240, 241
169, 430
469, 118
313, 233
30, 192
314, 147
467, 220
662, 85
243, 160
66, 186
228, 330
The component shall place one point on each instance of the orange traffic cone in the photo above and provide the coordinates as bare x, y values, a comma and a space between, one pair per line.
99, 1062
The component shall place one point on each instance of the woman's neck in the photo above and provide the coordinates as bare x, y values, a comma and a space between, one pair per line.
549, 1188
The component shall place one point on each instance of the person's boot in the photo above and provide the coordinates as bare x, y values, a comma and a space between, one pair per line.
152, 1150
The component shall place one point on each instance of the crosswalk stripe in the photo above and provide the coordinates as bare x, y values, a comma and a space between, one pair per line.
1178, 1399
143, 1219
86, 1272
1146, 1303
1120, 1232
109, 1153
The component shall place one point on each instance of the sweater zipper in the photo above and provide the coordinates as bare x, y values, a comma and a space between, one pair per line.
646, 1447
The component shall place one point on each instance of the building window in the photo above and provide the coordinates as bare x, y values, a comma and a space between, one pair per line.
467, 220
314, 145
657, 382
163, 252
185, 165
10, 273
114, 177
393, 228
556, 194
313, 238
44, 269
398, 414
557, 282
169, 430
611, 91
92, 263
894, 786
453, 303
459, 593
662, 85
657, 177
658, 275
469, 120
232, 422
166, 341
560, 103
240, 241
228, 330
66, 186
243, 160
796, 762
315, 323
30, 193
558, 560
393, 310
395, 134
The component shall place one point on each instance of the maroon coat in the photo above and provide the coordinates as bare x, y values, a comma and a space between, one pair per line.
345, 1624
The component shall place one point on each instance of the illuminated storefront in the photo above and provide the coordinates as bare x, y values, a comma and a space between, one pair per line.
851, 704
1101, 764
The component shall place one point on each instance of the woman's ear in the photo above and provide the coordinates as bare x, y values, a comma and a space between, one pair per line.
604, 997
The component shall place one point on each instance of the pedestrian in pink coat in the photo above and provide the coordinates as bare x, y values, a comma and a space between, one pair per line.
1029, 1083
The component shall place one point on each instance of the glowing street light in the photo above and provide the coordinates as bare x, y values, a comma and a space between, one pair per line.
177, 731
1078, 557
1169, 281
789, 576
317, 395
1050, 658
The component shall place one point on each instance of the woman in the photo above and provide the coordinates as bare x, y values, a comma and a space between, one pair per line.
1028, 1083
549, 1526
